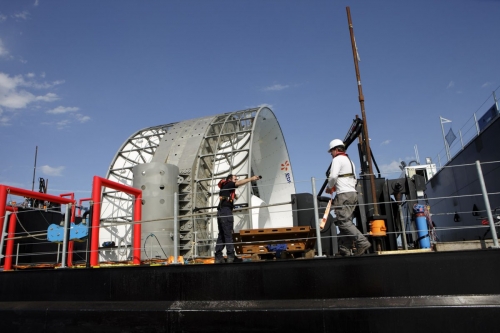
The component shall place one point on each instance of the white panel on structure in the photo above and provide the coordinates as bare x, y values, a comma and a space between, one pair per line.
260, 214
270, 159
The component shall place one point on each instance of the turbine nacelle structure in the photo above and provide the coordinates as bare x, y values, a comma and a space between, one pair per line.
190, 158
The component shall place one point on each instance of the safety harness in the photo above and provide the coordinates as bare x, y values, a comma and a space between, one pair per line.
352, 168
232, 193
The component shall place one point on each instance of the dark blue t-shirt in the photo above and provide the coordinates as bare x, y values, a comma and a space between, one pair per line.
225, 191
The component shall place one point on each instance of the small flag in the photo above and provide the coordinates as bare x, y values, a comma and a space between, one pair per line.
444, 120
450, 137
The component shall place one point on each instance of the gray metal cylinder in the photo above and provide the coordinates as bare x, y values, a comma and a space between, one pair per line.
158, 182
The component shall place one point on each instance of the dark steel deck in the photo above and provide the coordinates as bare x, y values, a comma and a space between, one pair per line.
424, 292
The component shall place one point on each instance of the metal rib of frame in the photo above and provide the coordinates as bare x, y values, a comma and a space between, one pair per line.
226, 147
117, 206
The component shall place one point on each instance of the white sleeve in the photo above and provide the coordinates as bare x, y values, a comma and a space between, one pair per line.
334, 174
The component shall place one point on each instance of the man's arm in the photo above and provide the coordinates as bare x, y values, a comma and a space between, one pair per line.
334, 174
246, 180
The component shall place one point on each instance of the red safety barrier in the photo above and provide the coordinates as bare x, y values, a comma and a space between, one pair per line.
10, 233
97, 185
80, 205
4, 191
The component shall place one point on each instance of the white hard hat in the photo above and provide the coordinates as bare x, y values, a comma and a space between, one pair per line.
336, 143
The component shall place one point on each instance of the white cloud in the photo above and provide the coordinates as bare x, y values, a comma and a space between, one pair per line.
49, 97
386, 142
19, 92
391, 170
50, 171
486, 84
36, 3
12, 96
63, 123
40, 85
7, 82
16, 99
276, 87
81, 118
2, 18
22, 15
63, 109
450, 85
3, 50
74, 117
4, 121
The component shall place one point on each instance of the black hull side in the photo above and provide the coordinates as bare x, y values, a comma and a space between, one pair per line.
440, 291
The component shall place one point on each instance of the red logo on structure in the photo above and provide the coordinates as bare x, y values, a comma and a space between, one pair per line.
284, 166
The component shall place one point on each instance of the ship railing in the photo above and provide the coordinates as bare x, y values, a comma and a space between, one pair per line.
203, 240
456, 141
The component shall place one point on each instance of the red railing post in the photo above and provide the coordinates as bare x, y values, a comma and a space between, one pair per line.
137, 229
80, 205
3, 201
9, 249
96, 216
97, 184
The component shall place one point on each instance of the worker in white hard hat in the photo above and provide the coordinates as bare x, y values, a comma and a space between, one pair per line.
342, 180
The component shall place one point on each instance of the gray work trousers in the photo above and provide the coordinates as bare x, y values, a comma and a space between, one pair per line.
344, 205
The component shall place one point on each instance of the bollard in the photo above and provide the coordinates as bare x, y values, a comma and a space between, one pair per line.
316, 218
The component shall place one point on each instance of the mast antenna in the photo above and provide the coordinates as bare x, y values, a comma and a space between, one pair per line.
366, 139
34, 170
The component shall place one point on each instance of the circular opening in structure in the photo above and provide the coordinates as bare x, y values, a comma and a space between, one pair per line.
143, 187
162, 187
162, 201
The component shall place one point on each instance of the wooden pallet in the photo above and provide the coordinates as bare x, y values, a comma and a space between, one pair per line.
257, 241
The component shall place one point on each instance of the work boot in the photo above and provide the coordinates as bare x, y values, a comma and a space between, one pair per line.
361, 249
229, 260
344, 251
219, 260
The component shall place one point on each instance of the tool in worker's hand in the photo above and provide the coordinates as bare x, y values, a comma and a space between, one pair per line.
325, 216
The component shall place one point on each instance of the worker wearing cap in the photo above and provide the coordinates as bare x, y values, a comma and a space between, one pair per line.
225, 220
342, 180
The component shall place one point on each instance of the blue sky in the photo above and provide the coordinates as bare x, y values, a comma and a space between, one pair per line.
77, 78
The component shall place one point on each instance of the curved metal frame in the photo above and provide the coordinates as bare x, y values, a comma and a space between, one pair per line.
224, 145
